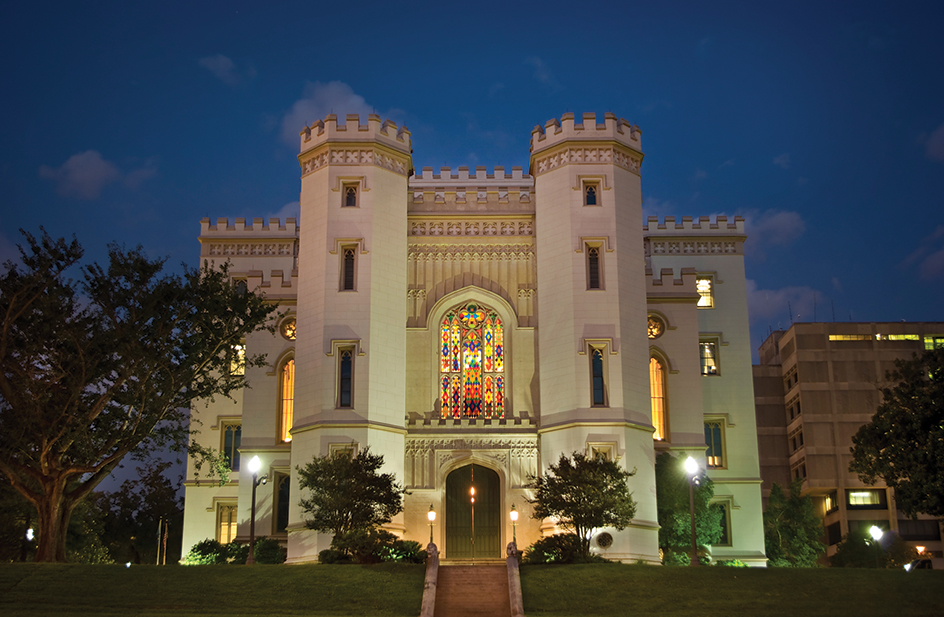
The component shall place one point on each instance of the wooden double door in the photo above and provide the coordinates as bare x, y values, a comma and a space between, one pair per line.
473, 530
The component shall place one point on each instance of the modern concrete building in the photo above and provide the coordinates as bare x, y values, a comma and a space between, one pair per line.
816, 384
472, 326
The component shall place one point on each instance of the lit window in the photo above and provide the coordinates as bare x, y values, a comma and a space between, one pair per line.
345, 377
283, 487
714, 438
866, 499
830, 503
286, 400
225, 523
657, 398
656, 326
350, 196
237, 360
472, 364
705, 290
594, 280
850, 337
897, 337
348, 263
232, 435
590, 195
597, 377
709, 357
289, 329
933, 342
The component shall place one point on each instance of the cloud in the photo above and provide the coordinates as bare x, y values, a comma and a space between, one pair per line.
770, 228
727, 163
783, 160
86, 174
700, 174
290, 210
83, 176
928, 258
934, 146
495, 89
321, 99
225, 69
543, 74
775, 305
653, 207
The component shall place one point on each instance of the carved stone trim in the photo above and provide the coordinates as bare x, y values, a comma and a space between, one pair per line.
239, 249
588, 155
694, 247
471, 228
350, 155
465, 252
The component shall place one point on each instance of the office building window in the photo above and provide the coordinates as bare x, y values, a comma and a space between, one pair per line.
866, 499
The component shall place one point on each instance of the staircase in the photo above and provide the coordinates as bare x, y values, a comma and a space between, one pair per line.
473, 591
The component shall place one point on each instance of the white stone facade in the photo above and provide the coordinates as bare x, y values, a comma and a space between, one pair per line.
369, 277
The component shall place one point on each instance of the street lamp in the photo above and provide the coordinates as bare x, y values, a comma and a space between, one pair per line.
876, 534
254, 466
514, 525
431, 515
691, 470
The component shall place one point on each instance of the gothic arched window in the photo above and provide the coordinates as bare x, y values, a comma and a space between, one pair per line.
657, 394
286, 400
472, 364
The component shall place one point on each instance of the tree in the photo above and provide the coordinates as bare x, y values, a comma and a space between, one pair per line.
674, 510
791, 528
94, 369
904, 443
348, 492
858, 550
584, 494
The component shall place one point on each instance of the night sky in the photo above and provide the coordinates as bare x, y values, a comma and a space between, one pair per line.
822, 123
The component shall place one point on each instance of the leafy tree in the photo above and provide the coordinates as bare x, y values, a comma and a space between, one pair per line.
91, 370
791, 528
858, 550
136, 513
348, 493
583, 494
674, 511
904, 443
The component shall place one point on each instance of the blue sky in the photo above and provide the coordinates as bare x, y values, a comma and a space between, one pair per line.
822, 123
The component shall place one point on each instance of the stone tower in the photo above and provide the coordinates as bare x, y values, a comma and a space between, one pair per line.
594, 352
350, 358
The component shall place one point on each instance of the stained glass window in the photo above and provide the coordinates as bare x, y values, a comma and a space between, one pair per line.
472, 364
287, 400
657, 398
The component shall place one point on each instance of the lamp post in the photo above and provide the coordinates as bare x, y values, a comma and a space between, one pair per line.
254, 466
876, 534
691, 470
431, 515
472, 496
514, 525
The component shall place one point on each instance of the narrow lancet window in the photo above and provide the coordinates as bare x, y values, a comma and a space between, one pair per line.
657, 397
345, 378
347, 275
598, 381
593, 267
590, 195
350, 197
287, 400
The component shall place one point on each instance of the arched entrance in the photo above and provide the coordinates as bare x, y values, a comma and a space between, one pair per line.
459, 513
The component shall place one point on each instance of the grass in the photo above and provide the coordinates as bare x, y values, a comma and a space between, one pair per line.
392, 590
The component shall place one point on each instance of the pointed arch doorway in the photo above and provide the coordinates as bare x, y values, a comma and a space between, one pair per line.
465, 525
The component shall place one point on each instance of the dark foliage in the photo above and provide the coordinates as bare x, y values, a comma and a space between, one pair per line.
674, 512
792, 531
560, 548
858, 550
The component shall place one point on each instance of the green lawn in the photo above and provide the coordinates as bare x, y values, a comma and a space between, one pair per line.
552, 591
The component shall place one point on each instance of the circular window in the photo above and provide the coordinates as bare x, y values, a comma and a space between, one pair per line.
288, 328
656, 326
605, 540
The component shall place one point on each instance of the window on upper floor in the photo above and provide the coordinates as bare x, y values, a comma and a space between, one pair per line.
934, 341
598, 394
658, 399
709, 357
472, 376
226, 522
237, 359
798, 469
232, 436
350, 196
348, 268
830, 502
346, 377
286, 399
241, 286
591, 192
289, 328
704, 285
656, 327
714, 439
594, 268
866, 499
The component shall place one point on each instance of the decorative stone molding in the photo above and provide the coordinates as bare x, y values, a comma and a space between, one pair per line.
467, 252
693, 247
263, 249
588, 156
336, 155
475, 228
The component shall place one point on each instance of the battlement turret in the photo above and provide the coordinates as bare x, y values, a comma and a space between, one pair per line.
688, 225
556, 131
328, 130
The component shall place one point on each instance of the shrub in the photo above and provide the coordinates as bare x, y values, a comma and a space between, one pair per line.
732, 563
364, 545
560, 548
330, 555
269, 550
206, 552
406, 551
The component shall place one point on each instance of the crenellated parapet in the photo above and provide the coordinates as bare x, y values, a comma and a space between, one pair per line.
688, 236
239, 240
566, 142
277, 285
376, 143
671, 287
471, 192
240, 228
480, 177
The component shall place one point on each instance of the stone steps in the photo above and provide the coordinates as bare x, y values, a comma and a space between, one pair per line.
472, 591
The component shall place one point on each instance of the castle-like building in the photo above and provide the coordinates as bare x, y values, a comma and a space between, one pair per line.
471, 327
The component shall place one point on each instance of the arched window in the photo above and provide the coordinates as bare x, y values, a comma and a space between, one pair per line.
590, 195
472, 364
657, 394
350, 197
597, 378
286, 400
